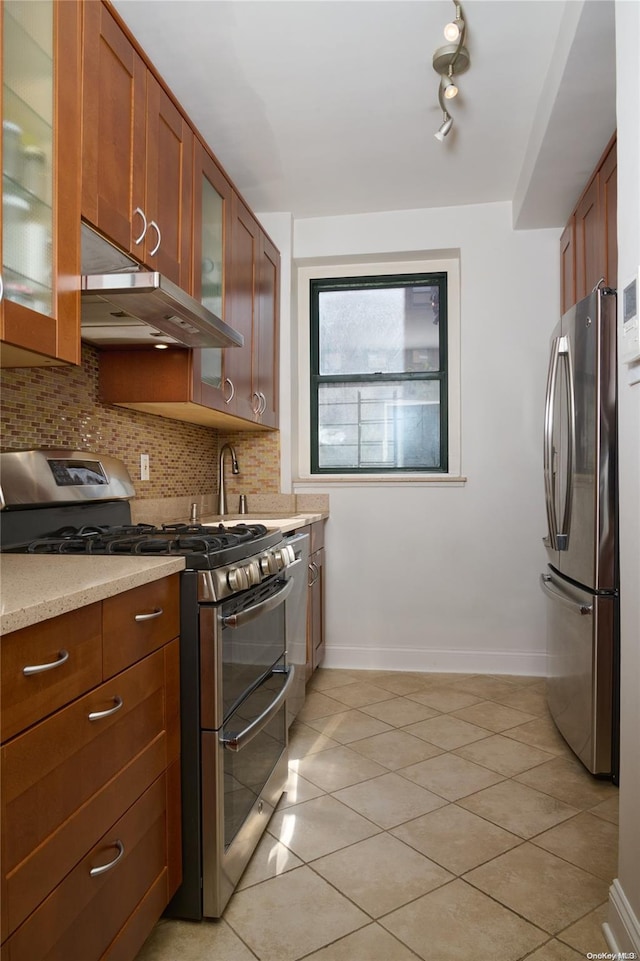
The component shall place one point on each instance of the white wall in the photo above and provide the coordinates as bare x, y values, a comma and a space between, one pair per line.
624, 912
457, 586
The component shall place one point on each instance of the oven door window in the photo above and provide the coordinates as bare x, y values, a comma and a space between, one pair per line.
253, 639
247, 770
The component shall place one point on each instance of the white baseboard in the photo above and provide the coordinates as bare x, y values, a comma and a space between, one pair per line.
532, 663
622, 930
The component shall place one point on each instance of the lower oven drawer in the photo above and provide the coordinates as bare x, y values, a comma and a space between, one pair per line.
240, 788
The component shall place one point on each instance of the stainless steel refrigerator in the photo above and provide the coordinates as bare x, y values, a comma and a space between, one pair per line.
581, 581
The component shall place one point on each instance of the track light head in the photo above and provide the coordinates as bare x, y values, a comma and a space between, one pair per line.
449, 86
444, 128
453, 30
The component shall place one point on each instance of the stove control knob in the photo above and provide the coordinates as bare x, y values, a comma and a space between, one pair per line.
268, 564
238, 579
285, 556
253, 573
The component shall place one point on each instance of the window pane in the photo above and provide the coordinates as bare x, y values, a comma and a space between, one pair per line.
379, 426
379, 330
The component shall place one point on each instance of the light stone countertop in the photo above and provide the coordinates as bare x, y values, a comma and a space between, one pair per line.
286, 522
36, 586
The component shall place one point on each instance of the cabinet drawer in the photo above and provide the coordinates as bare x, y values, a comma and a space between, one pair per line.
138, 622
51, 770
317, 536
28, 884
64, 655
84, 914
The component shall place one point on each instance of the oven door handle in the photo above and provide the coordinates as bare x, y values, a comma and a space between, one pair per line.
235, 742
257, 610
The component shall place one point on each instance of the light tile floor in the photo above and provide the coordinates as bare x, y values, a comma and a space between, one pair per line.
438, 817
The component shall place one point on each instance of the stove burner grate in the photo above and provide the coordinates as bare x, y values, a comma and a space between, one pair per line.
169, 539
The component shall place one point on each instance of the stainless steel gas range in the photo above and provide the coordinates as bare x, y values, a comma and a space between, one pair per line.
235, 677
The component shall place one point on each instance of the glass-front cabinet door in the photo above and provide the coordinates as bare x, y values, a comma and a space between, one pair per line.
40, 180
211, 232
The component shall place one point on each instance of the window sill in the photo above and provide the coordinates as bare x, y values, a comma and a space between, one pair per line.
379, 480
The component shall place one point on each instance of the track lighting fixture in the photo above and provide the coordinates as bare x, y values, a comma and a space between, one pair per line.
450, 61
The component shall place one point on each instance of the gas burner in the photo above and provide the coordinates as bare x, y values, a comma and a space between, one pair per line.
203, 546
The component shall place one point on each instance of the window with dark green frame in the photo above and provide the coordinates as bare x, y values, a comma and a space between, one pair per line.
379, 374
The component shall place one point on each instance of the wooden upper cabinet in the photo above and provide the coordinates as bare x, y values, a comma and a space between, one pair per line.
265, 365
588, 256
169, 186
589, 240
253, 310
568, 266
40, 240
137, 152
152, 187
245, 238
114, 139
211, 260
608, 196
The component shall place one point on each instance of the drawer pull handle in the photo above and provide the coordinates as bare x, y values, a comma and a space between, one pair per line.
98, 715
103, 868
149, 617
63, 656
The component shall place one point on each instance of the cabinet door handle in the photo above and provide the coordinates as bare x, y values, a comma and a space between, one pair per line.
315, 573
103, 868
1, 287
256, 407
63, 657
263, 403
155, 250
149, 617
99, 715
139, 239
228, 399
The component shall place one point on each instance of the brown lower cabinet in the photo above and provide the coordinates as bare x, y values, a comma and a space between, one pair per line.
315, 605
90, 794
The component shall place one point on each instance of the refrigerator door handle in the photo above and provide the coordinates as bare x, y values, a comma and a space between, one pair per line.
545, 582
548, 451
565, 354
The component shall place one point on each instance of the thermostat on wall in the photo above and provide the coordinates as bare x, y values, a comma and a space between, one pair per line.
630, 333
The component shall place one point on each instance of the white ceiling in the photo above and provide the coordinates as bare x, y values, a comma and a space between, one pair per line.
323, 107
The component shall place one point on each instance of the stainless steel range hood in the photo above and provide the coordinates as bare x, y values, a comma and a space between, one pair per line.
123, 303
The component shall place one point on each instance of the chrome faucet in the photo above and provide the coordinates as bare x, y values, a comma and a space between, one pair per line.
222, 497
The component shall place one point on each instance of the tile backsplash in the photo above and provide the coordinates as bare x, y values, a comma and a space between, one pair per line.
60, 407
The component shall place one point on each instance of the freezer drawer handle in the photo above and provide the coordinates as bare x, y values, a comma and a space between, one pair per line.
583, 609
